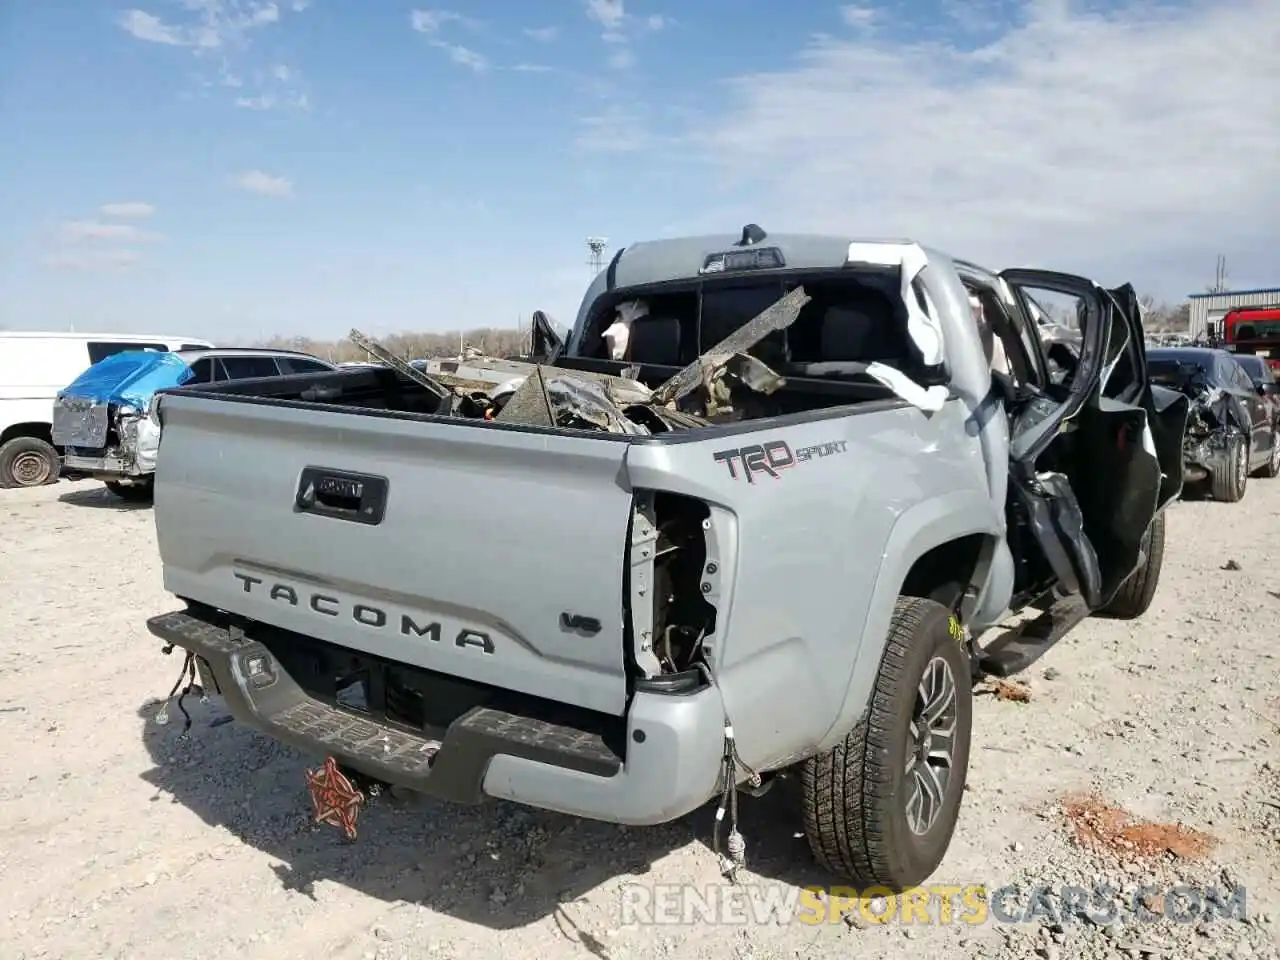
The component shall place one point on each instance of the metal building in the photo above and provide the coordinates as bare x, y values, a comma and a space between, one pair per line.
1214, 306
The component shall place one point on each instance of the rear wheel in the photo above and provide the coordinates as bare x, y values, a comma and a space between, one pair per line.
28, 462
1228, 483
132, 492
881, 807
1135, 594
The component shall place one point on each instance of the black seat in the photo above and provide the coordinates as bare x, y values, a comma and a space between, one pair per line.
655, 340
851, 336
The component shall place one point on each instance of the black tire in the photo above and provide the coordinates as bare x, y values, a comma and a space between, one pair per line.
1135, 594
856, 796
1229, 483
28, 462
133, 492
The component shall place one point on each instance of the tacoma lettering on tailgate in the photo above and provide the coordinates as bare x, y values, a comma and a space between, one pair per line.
364, 614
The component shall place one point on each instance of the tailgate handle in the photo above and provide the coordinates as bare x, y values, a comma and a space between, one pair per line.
358, 497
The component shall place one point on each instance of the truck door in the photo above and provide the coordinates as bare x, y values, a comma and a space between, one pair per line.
1166, 409
1084, 454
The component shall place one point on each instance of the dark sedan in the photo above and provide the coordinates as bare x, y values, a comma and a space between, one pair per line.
1231, 428
1263, 376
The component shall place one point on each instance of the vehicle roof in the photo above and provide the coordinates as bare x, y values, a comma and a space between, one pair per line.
127, 337
651, 263
682, 258
1264, 313
246, 351
1199, 354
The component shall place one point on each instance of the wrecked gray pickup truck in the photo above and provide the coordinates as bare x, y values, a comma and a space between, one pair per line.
757, 516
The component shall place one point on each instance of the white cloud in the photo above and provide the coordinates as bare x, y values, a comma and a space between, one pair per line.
608, 13
210, 23
542, 34
857, 15
532, 68
130, 210
431, 22
255, 181
619, 29
143, 26
79, 231
616, 129
1145, 138
975, 16
87, 245
92, 260
466, 57
278, 88
217, 28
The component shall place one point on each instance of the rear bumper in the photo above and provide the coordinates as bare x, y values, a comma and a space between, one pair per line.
107, 467
665, 763
1205, 456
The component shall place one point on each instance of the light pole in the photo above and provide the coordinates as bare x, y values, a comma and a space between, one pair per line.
595, 254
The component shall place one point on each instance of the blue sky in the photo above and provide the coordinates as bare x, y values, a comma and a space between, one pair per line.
237, 168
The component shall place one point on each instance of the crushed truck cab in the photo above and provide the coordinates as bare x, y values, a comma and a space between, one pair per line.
765, 527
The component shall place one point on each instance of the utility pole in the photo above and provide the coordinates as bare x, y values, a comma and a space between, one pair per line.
1219, 276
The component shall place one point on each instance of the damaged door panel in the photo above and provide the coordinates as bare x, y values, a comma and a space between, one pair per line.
1166, 409
1093, 430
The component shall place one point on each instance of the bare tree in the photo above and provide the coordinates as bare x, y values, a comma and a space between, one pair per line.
411, 345
1160, 317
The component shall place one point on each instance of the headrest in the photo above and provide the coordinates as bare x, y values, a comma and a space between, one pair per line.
866, 332
655, 340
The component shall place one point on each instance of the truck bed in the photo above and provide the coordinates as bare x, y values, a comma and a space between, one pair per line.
339, 506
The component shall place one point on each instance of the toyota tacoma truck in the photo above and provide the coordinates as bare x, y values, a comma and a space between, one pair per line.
764, 512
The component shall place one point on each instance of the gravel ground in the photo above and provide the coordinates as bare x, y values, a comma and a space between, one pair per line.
120, 839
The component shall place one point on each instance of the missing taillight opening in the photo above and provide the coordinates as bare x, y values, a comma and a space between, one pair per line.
673, 582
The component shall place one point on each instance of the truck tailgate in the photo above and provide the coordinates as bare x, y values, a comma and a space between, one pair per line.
486, 537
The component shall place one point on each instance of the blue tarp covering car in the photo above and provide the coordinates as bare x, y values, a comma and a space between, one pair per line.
131, 378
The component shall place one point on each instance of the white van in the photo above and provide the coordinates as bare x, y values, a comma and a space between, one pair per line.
34, 366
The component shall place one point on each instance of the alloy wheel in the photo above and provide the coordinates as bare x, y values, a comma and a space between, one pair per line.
931, 746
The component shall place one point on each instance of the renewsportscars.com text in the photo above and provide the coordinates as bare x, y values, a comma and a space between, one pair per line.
971, 904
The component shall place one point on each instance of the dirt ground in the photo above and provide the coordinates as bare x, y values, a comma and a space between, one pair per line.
1147, 754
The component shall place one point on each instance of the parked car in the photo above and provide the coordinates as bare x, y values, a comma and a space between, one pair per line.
105, 418
1231, 429
34, 366
688, 607
1263, 375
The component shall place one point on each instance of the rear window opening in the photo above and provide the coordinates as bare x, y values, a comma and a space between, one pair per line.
99, 350
853, 317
